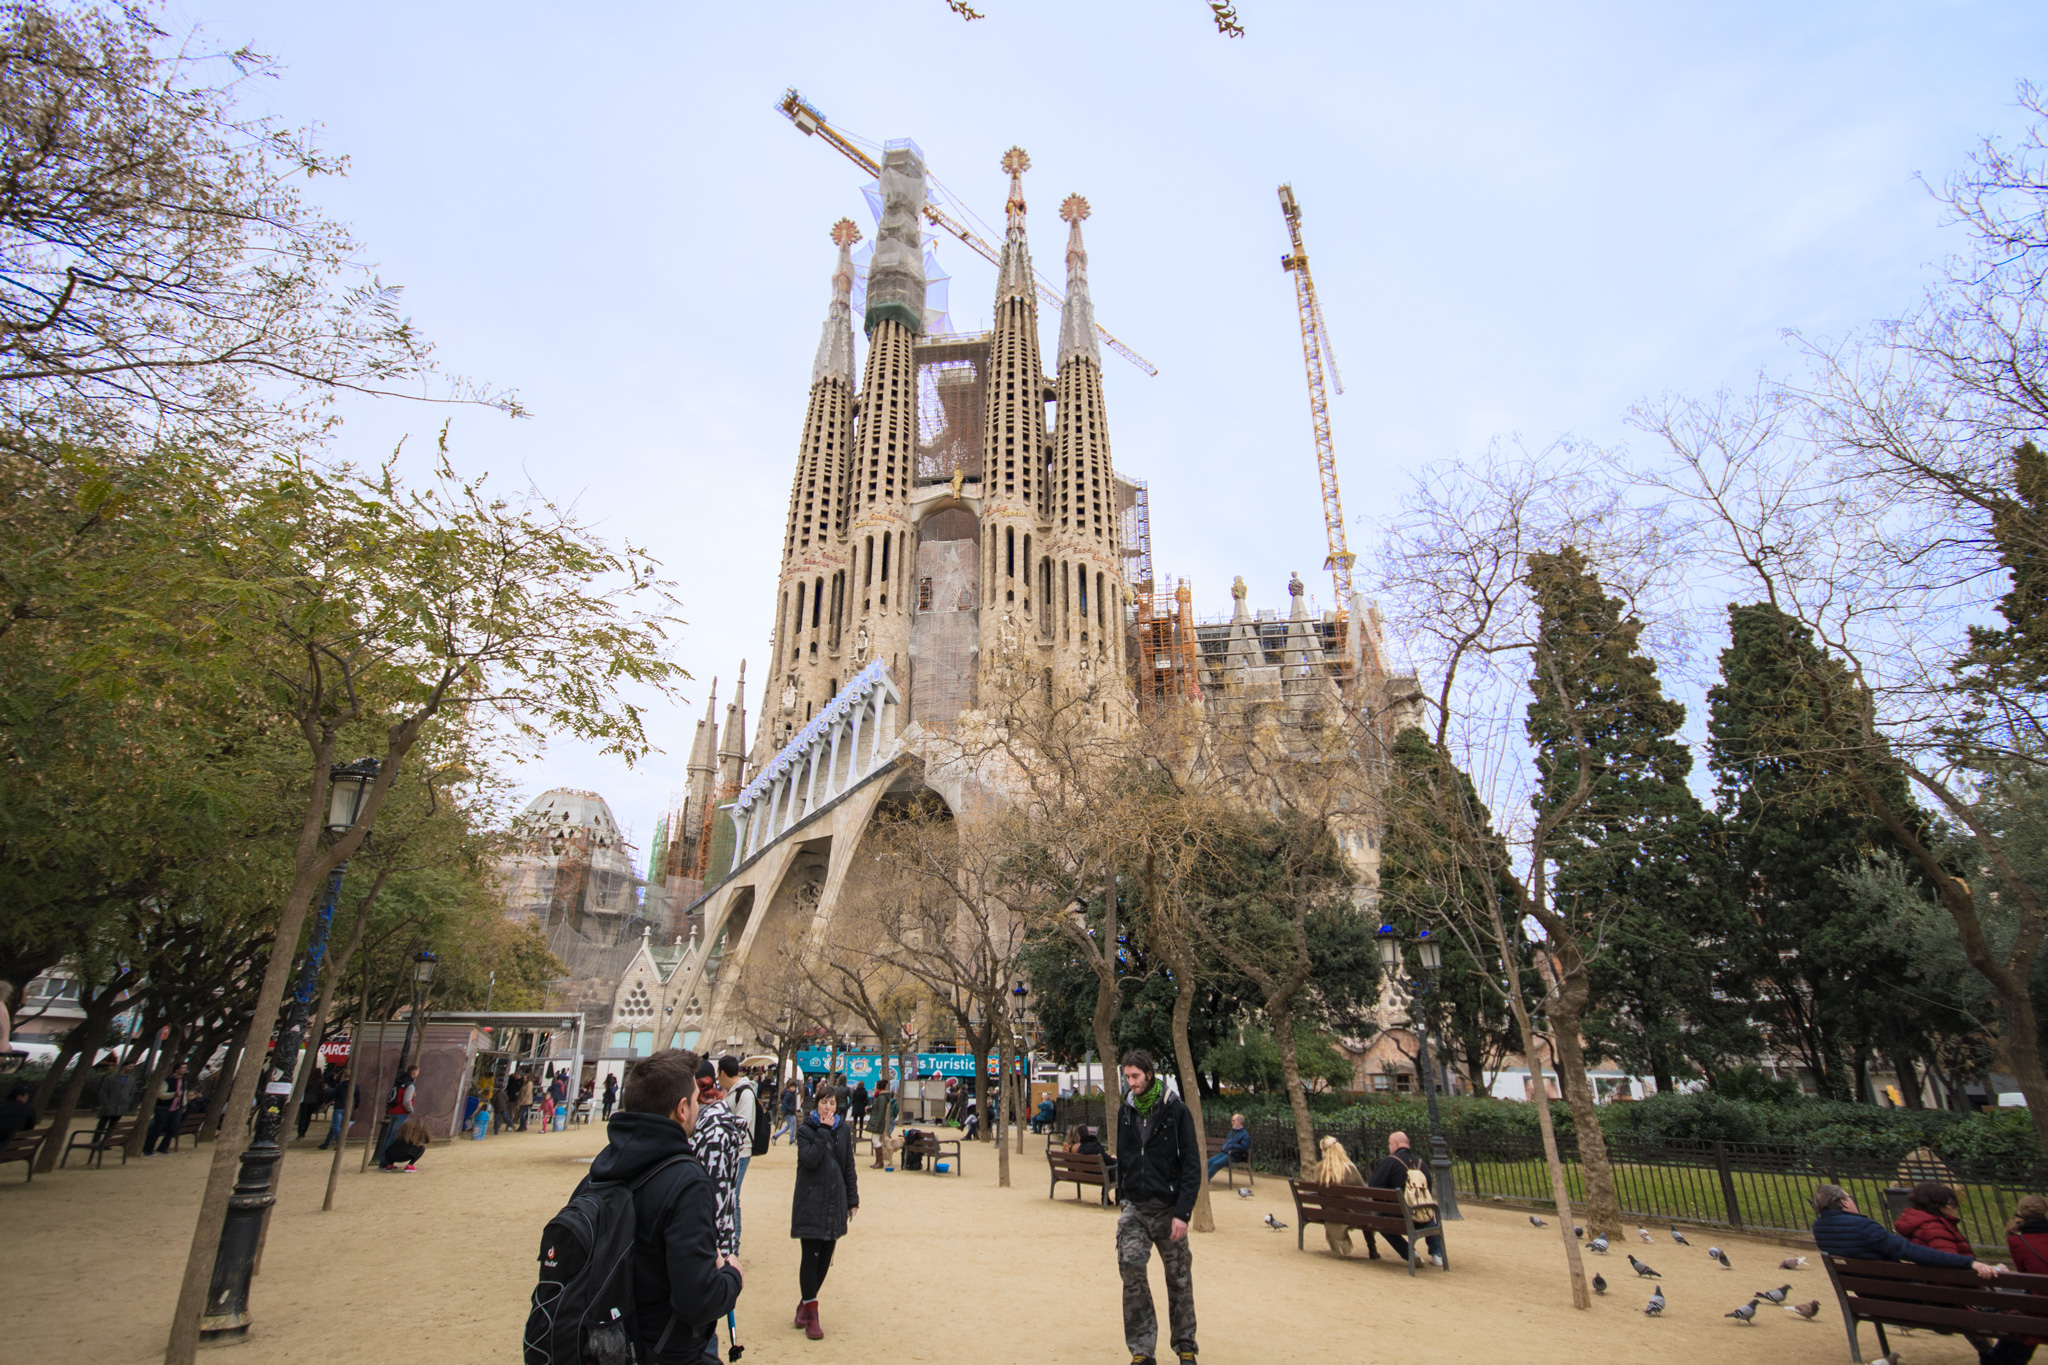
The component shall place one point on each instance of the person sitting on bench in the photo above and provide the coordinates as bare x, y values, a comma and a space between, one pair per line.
1839, 1230
1237, 1146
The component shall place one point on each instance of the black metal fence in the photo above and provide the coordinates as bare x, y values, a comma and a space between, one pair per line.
1750, 1187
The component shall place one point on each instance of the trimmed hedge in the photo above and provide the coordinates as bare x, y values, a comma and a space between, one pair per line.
1994, 1135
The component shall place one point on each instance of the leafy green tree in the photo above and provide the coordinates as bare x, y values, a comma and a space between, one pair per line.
1824, 968
1466, 1012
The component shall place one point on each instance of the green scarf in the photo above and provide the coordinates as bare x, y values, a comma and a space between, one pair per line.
1149, 1096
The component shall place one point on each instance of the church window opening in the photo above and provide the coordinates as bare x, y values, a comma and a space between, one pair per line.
800, 604
1100, 623
885, 565
1082, 575
1010, 551
924, 594
817, 601
867, 576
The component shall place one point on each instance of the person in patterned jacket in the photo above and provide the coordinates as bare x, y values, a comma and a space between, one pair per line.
720, 1141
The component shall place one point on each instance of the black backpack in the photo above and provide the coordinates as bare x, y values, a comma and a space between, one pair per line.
582, 1311
912, 1160
764, 1125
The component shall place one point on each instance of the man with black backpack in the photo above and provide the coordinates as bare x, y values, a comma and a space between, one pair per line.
1159, 1174
630, 1268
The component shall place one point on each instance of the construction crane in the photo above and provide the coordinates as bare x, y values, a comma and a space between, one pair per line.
811, 122
1317, 355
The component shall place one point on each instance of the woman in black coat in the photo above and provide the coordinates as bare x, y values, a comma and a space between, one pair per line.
827, 1195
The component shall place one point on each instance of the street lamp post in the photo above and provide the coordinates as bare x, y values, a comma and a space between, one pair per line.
1430, 960
241, 1233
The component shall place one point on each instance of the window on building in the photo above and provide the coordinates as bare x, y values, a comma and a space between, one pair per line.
924, 594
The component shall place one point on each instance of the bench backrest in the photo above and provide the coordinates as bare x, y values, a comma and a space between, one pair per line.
1215, 1146
23, 1144
924, 1144
1939, 1297
1353, 1204
1077, 1163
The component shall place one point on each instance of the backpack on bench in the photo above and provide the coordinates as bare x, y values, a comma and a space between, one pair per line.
913, 1159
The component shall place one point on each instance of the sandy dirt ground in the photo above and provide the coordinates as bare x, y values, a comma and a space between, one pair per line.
437, 1266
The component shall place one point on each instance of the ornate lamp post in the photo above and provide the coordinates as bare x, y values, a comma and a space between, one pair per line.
241, 1233
1430, 960
422, 977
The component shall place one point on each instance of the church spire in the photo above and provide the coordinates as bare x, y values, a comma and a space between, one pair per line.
704, 749
1077, 322
835, 348
1013, 277
732, 754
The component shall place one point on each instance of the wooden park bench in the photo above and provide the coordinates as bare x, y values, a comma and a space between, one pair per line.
23, 1147
930, 1146
97, 1145
1900, 1294
189, 1124
1366, 1208
1079, 1169
1238, 1162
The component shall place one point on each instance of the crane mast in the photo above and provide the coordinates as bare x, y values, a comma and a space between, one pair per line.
1316, 356
811, 122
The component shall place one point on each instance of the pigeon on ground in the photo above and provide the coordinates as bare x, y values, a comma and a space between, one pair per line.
1643, 1233
1719, 1255
1892, 1359
1792, 1263
1655, 1305
1746, 1315
1805, 1310
1599, 1285
1646, 1272
1244, 1194
1579, 1233
1679, 1238
1277, 1225
1536, 1222
1598, 1244
1775, 1295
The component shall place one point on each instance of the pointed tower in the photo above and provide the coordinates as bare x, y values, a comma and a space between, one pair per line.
1013, 530
810, 597
1088, 588
732, 753
885, 445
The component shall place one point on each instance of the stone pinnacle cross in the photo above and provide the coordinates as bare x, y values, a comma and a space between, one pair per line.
844, 233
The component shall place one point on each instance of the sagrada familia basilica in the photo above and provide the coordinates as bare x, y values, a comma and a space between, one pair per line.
955, 516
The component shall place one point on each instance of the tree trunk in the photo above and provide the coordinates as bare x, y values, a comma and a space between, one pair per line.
348, 1088
67, 1052
1007, 1104
1282, 1019
1190, 1094
1107, 1000
224, 1083
62, 1110
1560, 1190
1603, 1206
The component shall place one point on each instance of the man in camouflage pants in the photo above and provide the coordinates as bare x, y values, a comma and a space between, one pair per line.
1159, 1172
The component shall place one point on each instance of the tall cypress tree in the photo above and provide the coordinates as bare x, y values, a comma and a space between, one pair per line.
1635, 871
1823, 966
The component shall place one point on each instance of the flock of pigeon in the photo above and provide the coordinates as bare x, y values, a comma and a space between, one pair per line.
1746, 1314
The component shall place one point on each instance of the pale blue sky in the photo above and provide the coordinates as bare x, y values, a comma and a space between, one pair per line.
1521, 218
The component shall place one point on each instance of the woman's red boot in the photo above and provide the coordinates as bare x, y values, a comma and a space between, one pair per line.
811, 1327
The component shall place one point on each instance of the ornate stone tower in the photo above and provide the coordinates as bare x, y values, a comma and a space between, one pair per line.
1086, 603
1013, 450
879, 524
810, 596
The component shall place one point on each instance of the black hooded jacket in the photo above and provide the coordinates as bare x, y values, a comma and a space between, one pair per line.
1159, 1160
675, 1260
